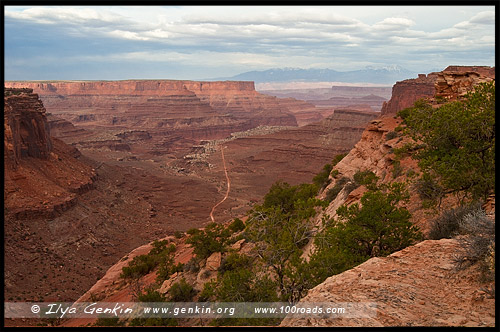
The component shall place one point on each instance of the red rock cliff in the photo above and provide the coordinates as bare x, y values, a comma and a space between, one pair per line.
42, 175
25, 124
450, 83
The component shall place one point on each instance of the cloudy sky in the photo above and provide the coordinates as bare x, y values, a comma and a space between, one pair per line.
195, 42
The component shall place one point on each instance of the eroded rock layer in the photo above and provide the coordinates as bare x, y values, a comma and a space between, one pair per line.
450, 83
417, 286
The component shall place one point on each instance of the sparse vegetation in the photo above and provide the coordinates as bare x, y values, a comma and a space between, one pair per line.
332, 193
447, 224
181, 291
143, 264
391, 135
478, 240
397, 170
214, 238
458, 142
322, 179
377, 227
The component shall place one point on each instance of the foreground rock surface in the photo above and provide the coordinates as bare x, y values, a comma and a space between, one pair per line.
417, 286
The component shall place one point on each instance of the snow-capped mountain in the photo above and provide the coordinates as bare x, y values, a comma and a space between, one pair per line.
371, 74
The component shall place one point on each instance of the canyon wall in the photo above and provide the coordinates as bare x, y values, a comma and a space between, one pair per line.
453, 82
26, 127
42, 175
177, 114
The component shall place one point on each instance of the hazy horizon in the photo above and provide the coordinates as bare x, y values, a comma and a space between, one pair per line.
200, 43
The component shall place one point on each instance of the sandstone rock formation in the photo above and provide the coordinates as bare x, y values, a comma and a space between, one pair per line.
417, 286
42, 176
450, 83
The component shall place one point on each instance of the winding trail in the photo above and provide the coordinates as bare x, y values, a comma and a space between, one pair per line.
228, 185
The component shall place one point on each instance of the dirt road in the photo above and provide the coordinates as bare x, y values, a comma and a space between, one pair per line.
228, 185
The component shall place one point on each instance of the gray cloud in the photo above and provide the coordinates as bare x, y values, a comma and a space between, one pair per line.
250, 38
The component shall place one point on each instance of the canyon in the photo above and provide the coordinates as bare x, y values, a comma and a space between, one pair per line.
150, 158
90, 163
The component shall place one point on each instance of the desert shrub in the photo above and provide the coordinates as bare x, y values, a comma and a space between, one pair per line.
391, 135
178, 234
192, 266
447, 224
429, 190
167, 268
237, 225
366, 178
139, 266
397, 170
286, 197
321, 180
332, 193
350, 186
376, 227
281, 226
143, 264
181, 291
208, 292
338, 158
478, 242
213, 238
233, 262
241, 285
410, 173
151, 295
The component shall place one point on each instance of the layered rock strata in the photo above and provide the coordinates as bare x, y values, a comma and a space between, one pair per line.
451, 83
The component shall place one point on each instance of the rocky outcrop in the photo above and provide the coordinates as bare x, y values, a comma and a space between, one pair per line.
41, 175
25, 124
405, 93
456, 81
451, 83
417, 286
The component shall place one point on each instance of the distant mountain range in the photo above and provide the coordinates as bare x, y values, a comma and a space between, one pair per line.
384, 75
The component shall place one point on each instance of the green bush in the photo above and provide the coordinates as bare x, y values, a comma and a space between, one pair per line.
321, 180
181, 291
458, 142
143, 264
376, 227
397, 170
208, 292
332, 193
391, 135
151, 295
237, 225
429, 189
366, 178
233, 262
213, 238
192, 266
